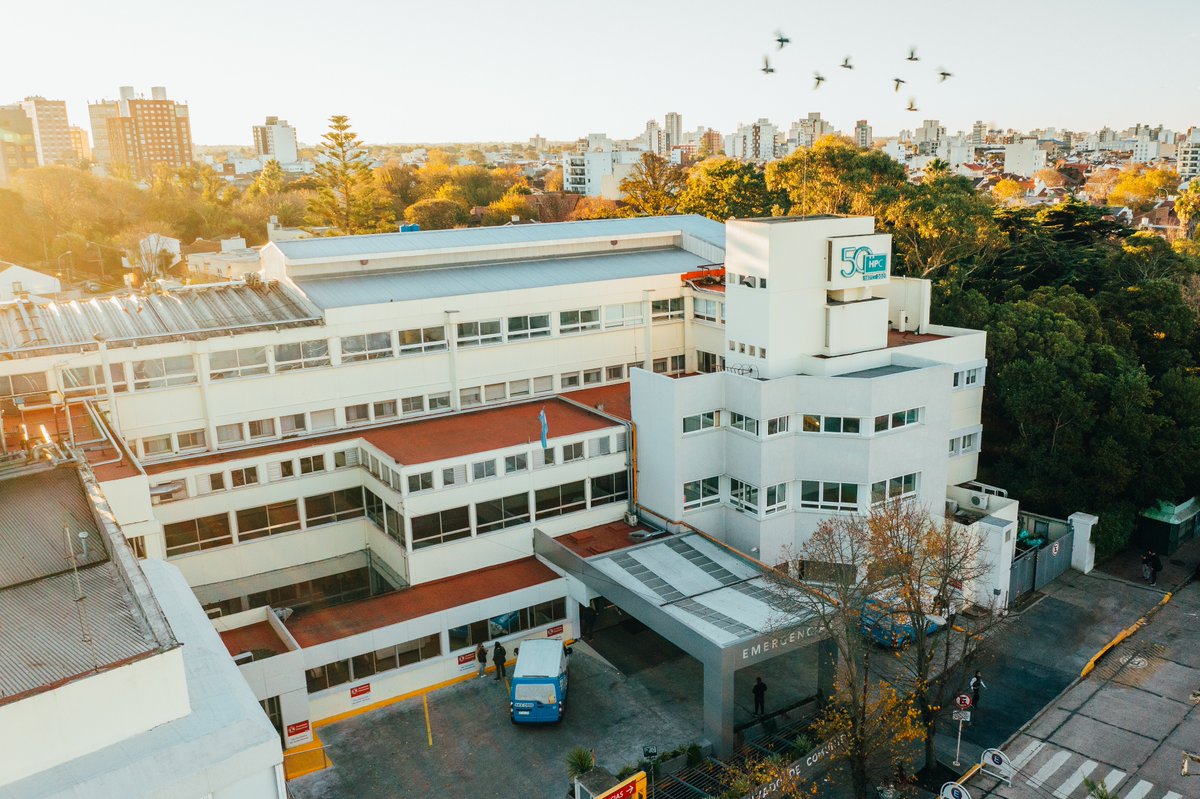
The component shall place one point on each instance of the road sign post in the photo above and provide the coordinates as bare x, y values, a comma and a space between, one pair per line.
962, 702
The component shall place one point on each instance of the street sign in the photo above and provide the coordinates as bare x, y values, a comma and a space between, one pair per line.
952, 790
961, 715
962, 701
632, 788
995, 763
1054, 549
649, 752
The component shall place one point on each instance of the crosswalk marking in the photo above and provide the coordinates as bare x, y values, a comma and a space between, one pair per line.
1047, 771
1085, 768
1139, 790
1113, 778
1027, 754
1171, 795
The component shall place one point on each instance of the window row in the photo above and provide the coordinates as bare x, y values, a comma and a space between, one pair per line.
809, 423
749, 281
369, 664
486, 630
742, 348
708, 310
814, 494
964, 444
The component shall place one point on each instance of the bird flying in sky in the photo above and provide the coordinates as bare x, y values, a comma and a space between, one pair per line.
782, 40
898, 81
819, 78
846, 63
767, 69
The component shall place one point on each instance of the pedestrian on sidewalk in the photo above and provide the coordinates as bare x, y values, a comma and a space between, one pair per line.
481, 657
760, 696
1155, 567
976, 684
587, 616
1146, 565
499, 653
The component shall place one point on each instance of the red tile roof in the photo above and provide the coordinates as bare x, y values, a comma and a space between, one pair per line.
342, 621
898, 339
614, 398
258, 637
599, 540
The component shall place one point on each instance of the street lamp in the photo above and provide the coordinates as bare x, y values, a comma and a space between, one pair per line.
69, 263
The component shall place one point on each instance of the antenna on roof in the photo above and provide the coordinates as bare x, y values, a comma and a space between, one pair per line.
85, 627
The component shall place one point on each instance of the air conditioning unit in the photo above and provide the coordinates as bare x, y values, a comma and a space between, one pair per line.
951, 506
632, 519
979, 500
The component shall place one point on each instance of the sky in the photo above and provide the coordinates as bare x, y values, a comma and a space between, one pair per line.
476, 70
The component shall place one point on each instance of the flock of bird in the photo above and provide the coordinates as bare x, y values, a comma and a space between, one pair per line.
783, 41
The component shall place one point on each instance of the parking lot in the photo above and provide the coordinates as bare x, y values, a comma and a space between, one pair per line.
476, 751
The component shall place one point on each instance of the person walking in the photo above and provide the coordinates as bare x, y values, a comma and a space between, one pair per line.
587, 617
760, 696
1155, 567
1146, 565
976, 684
481, 657
499, 653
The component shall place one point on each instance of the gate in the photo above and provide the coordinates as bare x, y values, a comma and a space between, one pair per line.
1053, 559
1021, 576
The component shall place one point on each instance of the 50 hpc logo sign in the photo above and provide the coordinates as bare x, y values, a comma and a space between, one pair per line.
856, 260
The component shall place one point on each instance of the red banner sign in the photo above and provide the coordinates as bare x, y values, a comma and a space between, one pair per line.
555, 630
297, 728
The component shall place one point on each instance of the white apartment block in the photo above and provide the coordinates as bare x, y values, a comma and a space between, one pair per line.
754, 142
276, 140
599, 172
672, 131
863, 134
1187, 159
805, 132
1024, 157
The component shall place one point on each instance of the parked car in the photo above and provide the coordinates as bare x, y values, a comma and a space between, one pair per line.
883, 621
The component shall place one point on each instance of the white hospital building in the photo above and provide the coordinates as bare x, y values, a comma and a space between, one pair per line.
343, 454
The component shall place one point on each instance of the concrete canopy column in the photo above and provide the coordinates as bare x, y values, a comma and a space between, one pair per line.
718, 707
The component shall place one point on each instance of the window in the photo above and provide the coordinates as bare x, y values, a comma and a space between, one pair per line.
301, 355
660, 366
161, 372
890, 421
279, 517
197, 534
262, 428
494, 392
705, 310
610, 488
368, 347
323, 420
328, 676
439, 402
678, 364
422, 339
569, 379
160, 494
454, 475
828, 496
293, 423
599, 446
229, 434
962, 445
373, 506
572, 452
743, 496
496, 514
516, 463
593, 377
191, 439
468, 397
777, 426
244, 477
394, 657
615, 372
440, 527
578, 321
968, 378
475, 334
812, 423
87, 379
237, 363
518, 388
543, 384
483, 470
410, 405
666, 310
534, 326
745, 423
776, 498
699, 493
894, 488
345, 458
557, 500
385, 409
701, 421
285, 469
420, 482
543, 457
157, 445
357, 414
624, 315
311, 464
335, 507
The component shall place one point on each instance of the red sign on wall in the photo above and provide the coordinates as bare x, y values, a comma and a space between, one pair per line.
555, 630
298, 733
360, 694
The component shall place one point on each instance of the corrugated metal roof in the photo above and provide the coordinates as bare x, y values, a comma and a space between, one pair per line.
420, 284
34, 507
333, 248
28, 328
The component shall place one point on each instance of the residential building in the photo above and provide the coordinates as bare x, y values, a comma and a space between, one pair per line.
51, 132
135, 135
598, 171
710, 142
276, 140
115, 682
672, 131
652, 139
862, 134
928, 136
233, 261
805, 132
18, 147
19, 281
80, 144
979, 133
1187, 156
754, 142
1024, 157
538, 142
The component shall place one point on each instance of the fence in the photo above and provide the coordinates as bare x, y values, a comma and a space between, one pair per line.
1034, 568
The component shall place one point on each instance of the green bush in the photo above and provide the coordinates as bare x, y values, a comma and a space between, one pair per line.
694, 756
579, 762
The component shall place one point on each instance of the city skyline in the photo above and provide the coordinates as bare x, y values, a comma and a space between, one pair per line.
422, 78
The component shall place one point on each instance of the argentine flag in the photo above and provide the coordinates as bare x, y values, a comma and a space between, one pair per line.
545, 429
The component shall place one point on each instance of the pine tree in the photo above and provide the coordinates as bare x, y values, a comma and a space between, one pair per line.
348, 199
269, 181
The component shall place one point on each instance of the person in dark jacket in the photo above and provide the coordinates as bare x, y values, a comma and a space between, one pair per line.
499, 653
760, 696
1146, 565
1155, 567
481, 658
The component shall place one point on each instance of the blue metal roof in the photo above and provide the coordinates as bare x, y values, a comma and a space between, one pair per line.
420, 284
397, 243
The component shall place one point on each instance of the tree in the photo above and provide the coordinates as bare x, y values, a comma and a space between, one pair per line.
1187, 208
1009, 192
553, 180
725, 188
348, 199
401, 183
596, 208
653, 187
269, 181
512, 204
943, 228
1139, 188
435, 214
835, 177
936, 168
1051, 178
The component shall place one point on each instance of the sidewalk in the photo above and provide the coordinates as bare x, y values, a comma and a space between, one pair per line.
1177, 568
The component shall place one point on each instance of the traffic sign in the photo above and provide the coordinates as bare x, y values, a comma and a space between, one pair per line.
952, 790
632, 788
962, 701
961, 715
995, 763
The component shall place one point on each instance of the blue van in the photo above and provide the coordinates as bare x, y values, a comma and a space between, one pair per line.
539, 682
884, 623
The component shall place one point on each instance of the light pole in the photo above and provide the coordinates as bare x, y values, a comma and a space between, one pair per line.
69, 263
